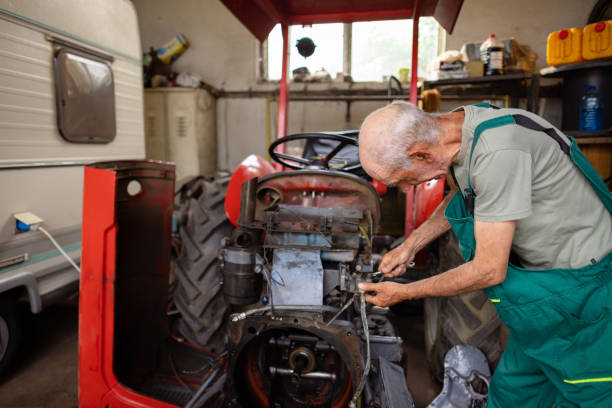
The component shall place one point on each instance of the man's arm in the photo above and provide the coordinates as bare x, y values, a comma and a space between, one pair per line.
394, 262
493, 243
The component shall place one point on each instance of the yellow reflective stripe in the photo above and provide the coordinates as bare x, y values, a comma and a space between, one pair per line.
495, 300
588, 380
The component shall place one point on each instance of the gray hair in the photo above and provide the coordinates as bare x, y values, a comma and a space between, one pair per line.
409, 125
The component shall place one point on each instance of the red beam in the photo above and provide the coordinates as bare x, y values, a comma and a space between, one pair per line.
415, 52
350, 16
283, 94
270, 9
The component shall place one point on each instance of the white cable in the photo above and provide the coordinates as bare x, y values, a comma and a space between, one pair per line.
54, 242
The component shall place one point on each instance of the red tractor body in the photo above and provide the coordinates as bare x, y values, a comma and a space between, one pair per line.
421, 200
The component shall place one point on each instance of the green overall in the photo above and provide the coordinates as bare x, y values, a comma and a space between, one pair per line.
560, 320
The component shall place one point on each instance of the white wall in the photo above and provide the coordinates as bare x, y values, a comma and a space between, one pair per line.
222, 50
225, 54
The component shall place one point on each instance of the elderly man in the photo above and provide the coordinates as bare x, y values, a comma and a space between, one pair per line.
533, 220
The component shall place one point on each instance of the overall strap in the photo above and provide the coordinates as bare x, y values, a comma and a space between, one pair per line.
516, 119
486, 105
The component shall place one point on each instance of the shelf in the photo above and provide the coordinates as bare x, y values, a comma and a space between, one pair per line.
477, 80
597, 137
570, 68
590, 135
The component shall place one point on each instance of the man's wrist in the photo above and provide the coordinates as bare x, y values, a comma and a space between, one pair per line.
407, 292
414, 242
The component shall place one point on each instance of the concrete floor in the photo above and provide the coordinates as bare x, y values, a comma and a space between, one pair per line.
421, 384
45, 374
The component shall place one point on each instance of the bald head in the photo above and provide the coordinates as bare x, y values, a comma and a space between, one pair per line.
387, 134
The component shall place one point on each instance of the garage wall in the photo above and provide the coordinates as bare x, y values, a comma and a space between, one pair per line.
225, 54
222, 51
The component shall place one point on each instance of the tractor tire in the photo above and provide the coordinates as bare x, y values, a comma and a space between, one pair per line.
464, 319
10, 332
198, 297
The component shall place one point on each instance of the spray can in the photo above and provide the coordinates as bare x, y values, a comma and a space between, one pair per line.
173, 49
492, 55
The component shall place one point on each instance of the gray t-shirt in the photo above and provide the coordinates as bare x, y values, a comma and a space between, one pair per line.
523, 175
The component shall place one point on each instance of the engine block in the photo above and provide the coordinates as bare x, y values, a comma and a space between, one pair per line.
302, 335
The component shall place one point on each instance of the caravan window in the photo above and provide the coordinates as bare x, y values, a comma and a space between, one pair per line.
85, 96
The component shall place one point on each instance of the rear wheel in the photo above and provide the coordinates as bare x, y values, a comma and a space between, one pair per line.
10, 332
199, 296
465, 319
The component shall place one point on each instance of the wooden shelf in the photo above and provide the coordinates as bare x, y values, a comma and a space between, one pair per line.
597, 137
476, 80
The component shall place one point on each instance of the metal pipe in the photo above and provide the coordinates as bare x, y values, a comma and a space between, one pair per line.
247, 208
353, 98
346, 305
322, 375
236, 317
415, 52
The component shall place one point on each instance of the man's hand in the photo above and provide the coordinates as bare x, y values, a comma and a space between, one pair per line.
384, 293
394, 262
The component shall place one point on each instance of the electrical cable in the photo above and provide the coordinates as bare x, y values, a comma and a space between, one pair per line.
54, 242
346, 305
200, 391
178, 377
366, 333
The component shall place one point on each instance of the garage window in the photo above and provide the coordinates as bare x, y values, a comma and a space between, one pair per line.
85, 96
365, 50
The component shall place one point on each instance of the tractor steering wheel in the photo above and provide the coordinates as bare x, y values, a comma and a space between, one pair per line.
299, 163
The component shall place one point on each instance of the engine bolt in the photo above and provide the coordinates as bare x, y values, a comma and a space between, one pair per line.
358, 267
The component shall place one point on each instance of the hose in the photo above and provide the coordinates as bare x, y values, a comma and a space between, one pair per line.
192, 402
59, 248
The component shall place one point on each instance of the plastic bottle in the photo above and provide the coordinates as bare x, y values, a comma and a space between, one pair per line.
492, 55
591, 111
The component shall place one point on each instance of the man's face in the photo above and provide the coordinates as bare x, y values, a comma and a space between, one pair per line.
424, 166
411, 176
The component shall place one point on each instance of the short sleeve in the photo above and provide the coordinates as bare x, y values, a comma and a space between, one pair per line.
502, 183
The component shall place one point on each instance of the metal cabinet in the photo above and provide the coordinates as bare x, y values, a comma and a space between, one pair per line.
180, 127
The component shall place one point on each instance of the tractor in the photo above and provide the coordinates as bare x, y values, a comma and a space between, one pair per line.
300, 334
258, 305
262, 307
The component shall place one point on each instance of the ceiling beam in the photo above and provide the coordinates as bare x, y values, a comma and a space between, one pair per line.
272, 11
350, 16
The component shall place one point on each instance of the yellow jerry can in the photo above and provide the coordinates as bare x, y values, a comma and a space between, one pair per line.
564, 46
597, 40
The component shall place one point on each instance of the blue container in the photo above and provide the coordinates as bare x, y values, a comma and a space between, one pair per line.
591, 111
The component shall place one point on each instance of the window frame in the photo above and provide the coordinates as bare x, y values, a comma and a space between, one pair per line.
60, 76
347, 50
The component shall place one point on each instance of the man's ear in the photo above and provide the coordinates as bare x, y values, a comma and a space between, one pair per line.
420, 152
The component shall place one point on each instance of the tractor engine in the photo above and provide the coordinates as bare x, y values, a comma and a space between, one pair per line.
302, 334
